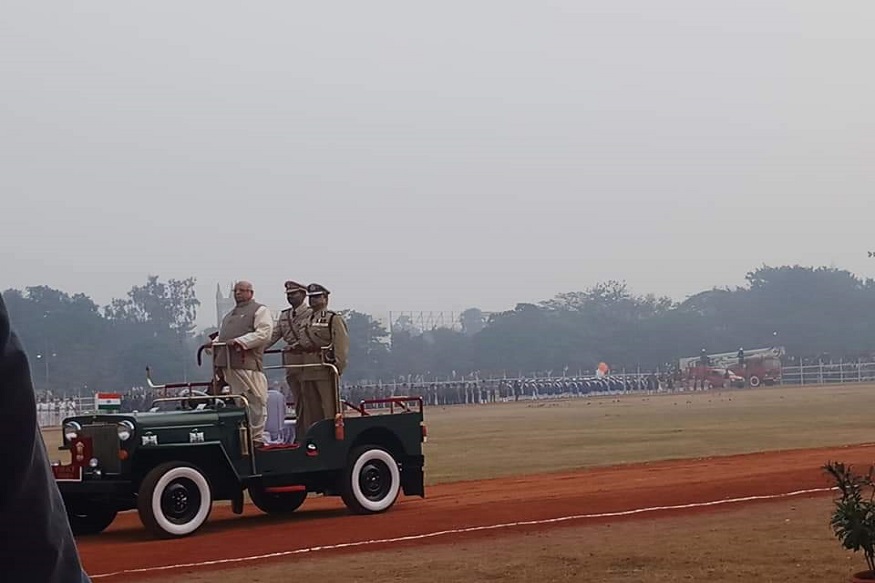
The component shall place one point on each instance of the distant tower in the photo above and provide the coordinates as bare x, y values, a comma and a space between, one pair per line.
223, 305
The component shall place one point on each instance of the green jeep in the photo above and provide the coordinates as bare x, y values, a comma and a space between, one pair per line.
188, 450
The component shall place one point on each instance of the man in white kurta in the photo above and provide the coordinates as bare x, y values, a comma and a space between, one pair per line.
246, 330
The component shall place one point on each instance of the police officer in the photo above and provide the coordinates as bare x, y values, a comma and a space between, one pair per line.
290, 327
329, 338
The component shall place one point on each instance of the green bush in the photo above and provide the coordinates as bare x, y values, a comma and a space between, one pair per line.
853, 517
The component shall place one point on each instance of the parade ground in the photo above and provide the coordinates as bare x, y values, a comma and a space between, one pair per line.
721, 485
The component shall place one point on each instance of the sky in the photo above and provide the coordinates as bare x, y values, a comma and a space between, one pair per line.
433, 156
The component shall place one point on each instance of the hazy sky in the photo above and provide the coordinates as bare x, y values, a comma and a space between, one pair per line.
433, 156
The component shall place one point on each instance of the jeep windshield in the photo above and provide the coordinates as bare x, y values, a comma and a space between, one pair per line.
186, 403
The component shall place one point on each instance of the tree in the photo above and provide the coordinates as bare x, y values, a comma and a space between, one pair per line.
404, 323
65, 337
472, 321
813, 310
435, 353
368, 347
165, 306
810, 311
528, 338
448, 350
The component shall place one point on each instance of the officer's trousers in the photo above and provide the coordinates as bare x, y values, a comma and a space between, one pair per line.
320, 401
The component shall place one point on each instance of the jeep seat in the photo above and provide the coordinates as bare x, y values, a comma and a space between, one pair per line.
276, 428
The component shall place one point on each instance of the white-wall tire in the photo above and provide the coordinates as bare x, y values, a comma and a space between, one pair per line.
174, 500
754, 381
372, 482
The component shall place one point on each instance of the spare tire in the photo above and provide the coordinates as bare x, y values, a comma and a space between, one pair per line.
276, 502
89, 518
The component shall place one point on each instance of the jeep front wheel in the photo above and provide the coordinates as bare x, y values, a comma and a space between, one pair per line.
276, 502
754, 381
89, 518
174, 499
372, 481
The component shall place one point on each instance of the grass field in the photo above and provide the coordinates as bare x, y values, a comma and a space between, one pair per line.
542, 436
778, 541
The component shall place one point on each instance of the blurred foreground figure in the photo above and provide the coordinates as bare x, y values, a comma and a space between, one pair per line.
36, 544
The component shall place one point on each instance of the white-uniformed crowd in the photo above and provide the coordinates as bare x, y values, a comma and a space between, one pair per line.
51, 411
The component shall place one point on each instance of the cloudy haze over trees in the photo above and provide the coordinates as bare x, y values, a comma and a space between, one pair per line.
813, 312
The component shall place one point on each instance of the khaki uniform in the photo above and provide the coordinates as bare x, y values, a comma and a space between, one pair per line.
324, 329
251, 325
290, 327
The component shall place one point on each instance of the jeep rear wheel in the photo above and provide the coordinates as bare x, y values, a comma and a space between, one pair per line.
371, 482
276, 502
89, 518
174, 499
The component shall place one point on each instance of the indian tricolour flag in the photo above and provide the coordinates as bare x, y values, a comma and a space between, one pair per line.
108, 401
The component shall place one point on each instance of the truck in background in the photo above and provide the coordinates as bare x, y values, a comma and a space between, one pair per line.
761, 366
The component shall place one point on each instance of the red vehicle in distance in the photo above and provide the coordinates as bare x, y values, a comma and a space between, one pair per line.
761, 366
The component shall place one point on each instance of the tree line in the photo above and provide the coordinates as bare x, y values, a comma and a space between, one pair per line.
76, 345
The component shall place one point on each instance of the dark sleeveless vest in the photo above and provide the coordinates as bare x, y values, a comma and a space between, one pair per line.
239, 321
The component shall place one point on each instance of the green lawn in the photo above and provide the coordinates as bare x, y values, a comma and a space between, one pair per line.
468, 442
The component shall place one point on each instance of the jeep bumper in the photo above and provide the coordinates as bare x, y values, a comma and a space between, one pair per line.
96, 487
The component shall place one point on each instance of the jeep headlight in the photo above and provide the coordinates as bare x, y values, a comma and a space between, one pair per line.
125, 430
71, 430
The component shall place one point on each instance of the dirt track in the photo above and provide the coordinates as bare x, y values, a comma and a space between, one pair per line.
125, 549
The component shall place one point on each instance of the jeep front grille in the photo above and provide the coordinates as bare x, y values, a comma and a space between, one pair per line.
105, 443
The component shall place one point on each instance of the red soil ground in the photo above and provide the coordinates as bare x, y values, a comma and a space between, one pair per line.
126, 550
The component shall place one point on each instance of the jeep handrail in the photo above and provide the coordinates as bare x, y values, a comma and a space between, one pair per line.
201, 398
392, 401
355, 408
335, 377
166, 386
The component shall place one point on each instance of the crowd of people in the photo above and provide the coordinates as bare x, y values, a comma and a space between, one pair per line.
483, 391
470, 391
433, 393
52, 410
